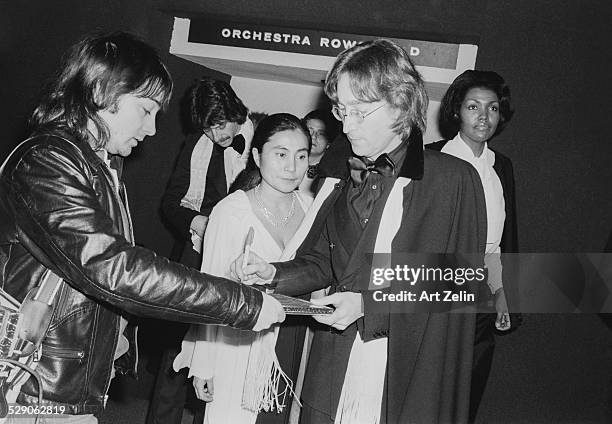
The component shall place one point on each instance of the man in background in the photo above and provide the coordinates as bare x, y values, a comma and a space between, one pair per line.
214, 153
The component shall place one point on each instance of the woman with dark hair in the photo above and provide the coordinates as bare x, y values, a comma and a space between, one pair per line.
323, 130
475, 108
235, 371
214, 152
65, 219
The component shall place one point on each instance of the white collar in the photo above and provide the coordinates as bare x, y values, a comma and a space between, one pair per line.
459, 148
103, 154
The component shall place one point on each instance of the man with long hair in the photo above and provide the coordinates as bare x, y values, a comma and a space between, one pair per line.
64, 212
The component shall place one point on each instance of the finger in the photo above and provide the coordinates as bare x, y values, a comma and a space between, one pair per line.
323, 319
198, 388
340, 326
236, 267
507, 320
254, 258
280, 311
332, 299
210, 385
502, 322
233, 272
252, 269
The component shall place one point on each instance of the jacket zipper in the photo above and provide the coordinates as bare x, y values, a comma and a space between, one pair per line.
61, 352
136, 351
115, 339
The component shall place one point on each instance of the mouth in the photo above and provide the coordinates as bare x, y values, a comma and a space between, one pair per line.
226, 142
292, 182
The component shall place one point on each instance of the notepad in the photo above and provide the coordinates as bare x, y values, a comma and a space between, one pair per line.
294, 306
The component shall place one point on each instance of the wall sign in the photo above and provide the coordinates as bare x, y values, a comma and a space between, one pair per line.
313, 42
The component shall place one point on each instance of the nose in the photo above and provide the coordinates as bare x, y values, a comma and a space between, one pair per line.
290, 165
149, 125
347, 124
483, 115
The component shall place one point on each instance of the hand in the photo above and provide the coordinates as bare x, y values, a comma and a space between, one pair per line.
257, 270
349, 308
198, 224
502, 322
204, 388
271, 313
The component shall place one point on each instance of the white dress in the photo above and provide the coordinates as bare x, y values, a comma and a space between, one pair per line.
218, 351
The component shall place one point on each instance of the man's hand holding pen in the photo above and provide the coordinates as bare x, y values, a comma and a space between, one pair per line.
271, 309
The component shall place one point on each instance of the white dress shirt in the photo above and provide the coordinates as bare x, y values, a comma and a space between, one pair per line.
494, 198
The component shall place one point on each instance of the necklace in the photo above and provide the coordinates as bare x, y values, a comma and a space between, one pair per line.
270, 217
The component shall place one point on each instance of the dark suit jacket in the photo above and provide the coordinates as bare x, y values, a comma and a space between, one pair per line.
180, 217
429, 355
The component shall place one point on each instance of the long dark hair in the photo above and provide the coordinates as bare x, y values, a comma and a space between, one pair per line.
214, 102
449, 118
270, 125
95, 73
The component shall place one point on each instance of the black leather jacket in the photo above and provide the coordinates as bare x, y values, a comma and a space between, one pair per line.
58, 207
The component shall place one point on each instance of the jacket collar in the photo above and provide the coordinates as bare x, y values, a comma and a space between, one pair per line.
116, 161
334, 162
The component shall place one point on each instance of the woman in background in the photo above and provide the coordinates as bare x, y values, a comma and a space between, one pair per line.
236, 371
323, 129
475, 108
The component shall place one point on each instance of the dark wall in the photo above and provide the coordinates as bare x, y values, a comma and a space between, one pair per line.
555, 56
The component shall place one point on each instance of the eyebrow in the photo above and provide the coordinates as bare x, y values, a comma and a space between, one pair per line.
284, 148
153, 100
480, 101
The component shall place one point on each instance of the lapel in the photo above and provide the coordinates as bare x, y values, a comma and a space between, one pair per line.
327, 201
235, 162
231, 162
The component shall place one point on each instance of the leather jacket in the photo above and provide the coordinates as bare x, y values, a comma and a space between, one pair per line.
59, 209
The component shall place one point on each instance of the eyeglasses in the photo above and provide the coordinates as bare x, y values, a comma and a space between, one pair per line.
357, 115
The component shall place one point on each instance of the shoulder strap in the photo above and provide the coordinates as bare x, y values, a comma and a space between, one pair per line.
38, 305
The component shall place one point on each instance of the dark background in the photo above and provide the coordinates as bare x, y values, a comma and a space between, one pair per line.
556, 57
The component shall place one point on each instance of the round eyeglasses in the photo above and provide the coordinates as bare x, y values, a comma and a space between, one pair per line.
357, 115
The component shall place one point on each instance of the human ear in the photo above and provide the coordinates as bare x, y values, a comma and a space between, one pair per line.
256, 157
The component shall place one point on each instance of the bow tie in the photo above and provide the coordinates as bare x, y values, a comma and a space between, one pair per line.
238, 143
360, 169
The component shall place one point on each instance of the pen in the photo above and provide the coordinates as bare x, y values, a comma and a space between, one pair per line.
247, 247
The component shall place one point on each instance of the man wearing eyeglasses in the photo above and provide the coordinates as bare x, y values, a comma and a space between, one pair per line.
384, 195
